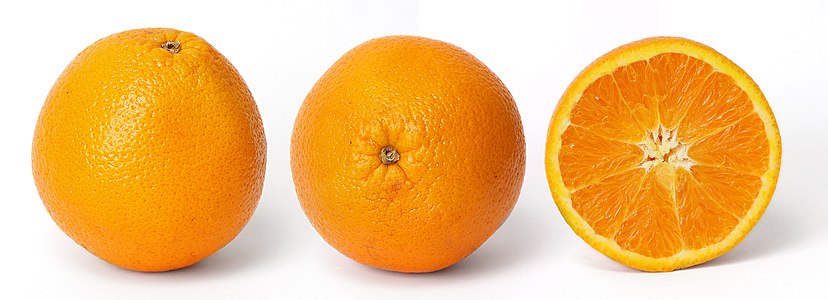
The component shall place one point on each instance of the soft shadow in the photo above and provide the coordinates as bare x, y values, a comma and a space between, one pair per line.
515, 244
599, 261
510, 247
253, 247
779, 230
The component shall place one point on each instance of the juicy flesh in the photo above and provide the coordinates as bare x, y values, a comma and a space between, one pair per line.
664, 155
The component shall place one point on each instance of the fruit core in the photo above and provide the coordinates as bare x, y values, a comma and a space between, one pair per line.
662, 147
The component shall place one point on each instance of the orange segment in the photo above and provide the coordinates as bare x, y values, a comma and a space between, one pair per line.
663, 154
605, 204
703, 219
587, 158
637, 84
742, 147
683, 78
720, 103
603, 110
648, 229
734, 191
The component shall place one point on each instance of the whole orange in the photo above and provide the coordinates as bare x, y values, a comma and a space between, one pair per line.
149, 150
408, 154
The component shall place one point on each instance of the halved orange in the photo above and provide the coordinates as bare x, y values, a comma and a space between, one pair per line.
663, 154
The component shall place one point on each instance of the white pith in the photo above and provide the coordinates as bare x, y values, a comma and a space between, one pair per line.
663, 147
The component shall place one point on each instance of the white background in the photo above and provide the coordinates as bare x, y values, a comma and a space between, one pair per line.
281, 49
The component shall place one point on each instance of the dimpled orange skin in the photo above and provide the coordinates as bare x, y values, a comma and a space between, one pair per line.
461, 153
151, 160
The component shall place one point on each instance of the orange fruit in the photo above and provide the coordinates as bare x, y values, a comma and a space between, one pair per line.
149, 150
407, 154
662, 154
